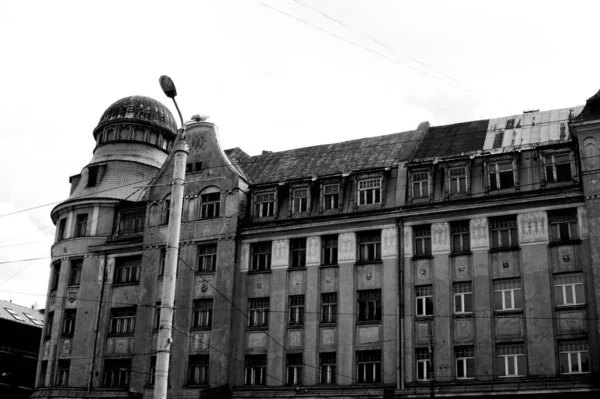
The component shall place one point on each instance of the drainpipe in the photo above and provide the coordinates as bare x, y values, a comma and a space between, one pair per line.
97, 326
400, 312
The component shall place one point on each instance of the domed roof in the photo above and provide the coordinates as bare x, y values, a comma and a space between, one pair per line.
140, 108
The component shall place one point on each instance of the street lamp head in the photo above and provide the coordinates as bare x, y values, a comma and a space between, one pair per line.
167, 86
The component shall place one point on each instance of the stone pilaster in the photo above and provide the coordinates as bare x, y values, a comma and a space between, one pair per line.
313, 251
440, 238
245, 257
480, 239
584, 232
408, 253
347, 247
389, 243
280, 254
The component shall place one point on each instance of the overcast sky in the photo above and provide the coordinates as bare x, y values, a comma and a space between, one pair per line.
273, 76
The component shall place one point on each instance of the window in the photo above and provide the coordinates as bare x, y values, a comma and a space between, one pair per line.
264, 205
43, 373
256, 370
198, 370
330, 249
369, 191
127, 269
504, 232
192, 167
369, 246
420, 184
210, 204
258, 315
574, 357
294, 368
49, 322
458, 180
368, 366
116, 373
369, 305
299, 200
166, 214
55, 276
156, 320
507, 295
327, 363
92, 176
463, 297
81, 225
62, 376
34, 320
75, 276
329, 307
422, 237
298, 249
510, 360
465, 362
122, 321
558, 168
331, 196
152, 371
207, 258
501, 175
202, 313
568, 289
260, 256
296, 310
461, 240
162, 262
424, 296
563, 225
423, 364
62, 225
69, 322
132, 221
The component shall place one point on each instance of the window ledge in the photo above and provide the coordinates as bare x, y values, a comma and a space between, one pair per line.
328, 266
369, 262
422, 257
292, 268
507, 312
328, 324
463, 315
109, 335
567, 242
576, 306
460, 253
368, 322
73, 285
196, 386
127, 283
205, 273
423, 317
295, 326
208, 328
257, 328
505, 249
260, 271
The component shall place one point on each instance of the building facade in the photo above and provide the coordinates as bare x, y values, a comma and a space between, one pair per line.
458, 259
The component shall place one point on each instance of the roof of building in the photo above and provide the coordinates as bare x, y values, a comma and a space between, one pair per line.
591, 110
21, 314
329, 159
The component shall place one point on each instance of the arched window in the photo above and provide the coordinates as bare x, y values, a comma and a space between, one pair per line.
110, 136
210, 203
166, 210
139, 135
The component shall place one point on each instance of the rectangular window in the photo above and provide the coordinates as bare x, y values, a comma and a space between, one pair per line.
458, 180
14, 314
510, 360
327, 364
503, 231
69, 322
465, 362
563, 225
331, 196
202, 313
166, 211
198, 370
422, 240
463, 297
330, 249
574, 357
368, 366
207, 258
156, 320
568, 289
369, 191
75, 274
162, 262
507, 295
122, 321
501, 175
81, 225
296, 310
369, 305
43, 373
55, 276
369, 246
558, 168
49, 322
256, 370
298, 252
420, 184
260, 256
423, 364
62, 226
127, 269
210, 205
132, 221
116, 373
152, 371
461, 239
264, 205
294, 368
62, 375
258, 312
329, 307
92, 176
299, 200
424, 296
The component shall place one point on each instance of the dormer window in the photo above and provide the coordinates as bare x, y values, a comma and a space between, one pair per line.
458, 180
300, 200
331, 196
420, 184
92, 176
558, 167
264, 204
501, 174
369, 191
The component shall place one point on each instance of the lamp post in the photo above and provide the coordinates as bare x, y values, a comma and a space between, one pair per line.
163, 348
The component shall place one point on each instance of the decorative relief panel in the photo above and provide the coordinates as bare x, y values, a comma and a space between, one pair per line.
463, 329
461, 267
509, 327
119, 346
422, 329
204, 286
199, 341
388, 243
295, 339
244, 266
280, 254
256, 340
71, 298
440, 235
47, 348
571, 322
65, 346
313, 250
408, 241
479, 234
347, 247
368, 335
583, 226
533, 227
565, 258
328, 337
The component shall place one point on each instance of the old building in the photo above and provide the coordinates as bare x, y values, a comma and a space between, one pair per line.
332, 270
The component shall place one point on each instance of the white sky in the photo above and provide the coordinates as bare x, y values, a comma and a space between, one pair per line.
269, 81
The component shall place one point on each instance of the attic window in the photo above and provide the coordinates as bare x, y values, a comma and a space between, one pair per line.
192, 167
33, 320
92, 176
14, 314
510, 124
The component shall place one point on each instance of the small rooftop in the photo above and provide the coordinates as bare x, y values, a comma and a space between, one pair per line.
21, 314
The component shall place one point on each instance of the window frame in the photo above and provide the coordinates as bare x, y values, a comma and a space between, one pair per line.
202, 314
368, 244
329, 250
122, 321
574, 350
327, 368
569, 282
457, 178
461, 291
119, 368
563, 221
300, 199
210, 205
329, 304
55, 276
512, 356
69, 320
258, 313
260, 256
294, 369
131, 221
369, 306
62, 229
206, 262
369, 191
331, 199
422, 241
551, 166
253, 365
496, 175
264, 204
198, 369
502, 228
296, 307
507, 289
462, 231
81, 221
62, 375
127, 269
298, 253
364, 359
464, 355
417, 178
424, 306
423, 364
75, 271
